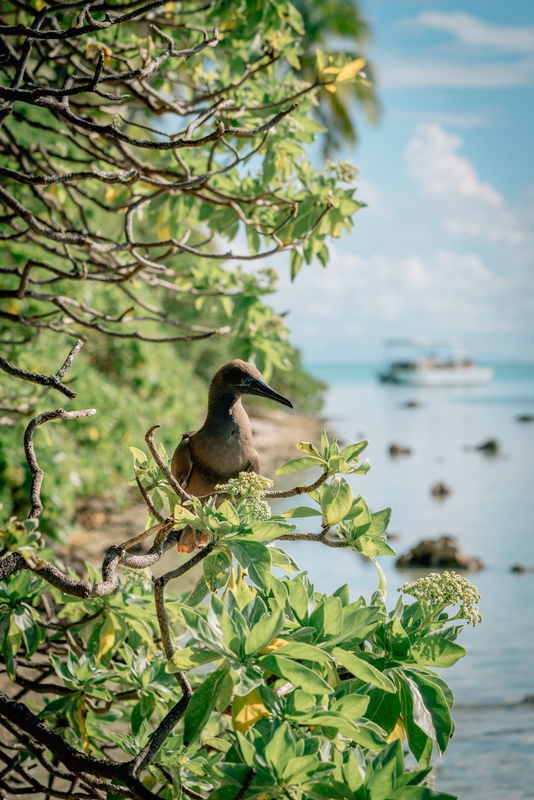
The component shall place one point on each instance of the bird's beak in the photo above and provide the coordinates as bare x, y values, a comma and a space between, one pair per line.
262, 389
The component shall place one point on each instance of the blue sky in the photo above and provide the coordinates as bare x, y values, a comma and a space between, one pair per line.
446, 246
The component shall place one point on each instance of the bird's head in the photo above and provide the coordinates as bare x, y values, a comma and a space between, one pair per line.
240, 377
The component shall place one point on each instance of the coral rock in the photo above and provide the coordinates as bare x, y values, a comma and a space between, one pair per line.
443, 552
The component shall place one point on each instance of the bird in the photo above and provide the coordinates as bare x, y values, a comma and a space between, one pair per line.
223, 446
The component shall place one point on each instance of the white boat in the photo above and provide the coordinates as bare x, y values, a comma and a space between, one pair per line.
432, 370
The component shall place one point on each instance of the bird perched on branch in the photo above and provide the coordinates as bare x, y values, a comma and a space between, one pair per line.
222, 447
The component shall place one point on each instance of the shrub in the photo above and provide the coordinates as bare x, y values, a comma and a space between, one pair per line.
246, 686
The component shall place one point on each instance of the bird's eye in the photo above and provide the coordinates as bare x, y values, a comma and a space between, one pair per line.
247, 381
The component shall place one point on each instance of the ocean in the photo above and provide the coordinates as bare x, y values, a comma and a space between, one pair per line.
491, 512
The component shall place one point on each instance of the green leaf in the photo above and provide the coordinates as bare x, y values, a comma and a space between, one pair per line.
383, 547
262, 532
362, 670
217, 568
189, 658
280, 749
419, 793
198, 594
29, 629
435, 651
283, 560
299, 770
400, 641
354, 772
336, 501
353, 706
5, 621
141, 711
182, 514
338, 464
304, 652
353, 450
358, 622
420, 743
379, 523
296, 264
327, 617
320, 59
300, 704
430, 709
300, 676
334, 719
300, 512
343, 593
264, 632
217, 744
201, 630
366, 547
202, 704
229, 512
138, 456
370, 736
309, 448
298, 463
382, 583
253, 556
382, 782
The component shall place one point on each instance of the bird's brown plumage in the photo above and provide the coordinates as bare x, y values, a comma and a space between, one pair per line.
223, 446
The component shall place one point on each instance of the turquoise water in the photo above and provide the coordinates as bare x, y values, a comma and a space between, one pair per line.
490, 510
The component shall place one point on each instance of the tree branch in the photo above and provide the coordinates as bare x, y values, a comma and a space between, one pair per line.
37, 473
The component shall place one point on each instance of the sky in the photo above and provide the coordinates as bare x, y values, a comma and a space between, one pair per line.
445, 247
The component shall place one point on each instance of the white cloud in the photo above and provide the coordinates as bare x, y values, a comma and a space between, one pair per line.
412, 273
433, 161
457, 64
474, 31
445, 292
465, 204
423, 73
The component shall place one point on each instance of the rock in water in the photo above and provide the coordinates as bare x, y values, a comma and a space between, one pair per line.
491, 447
440, 489
443, 552
398, 450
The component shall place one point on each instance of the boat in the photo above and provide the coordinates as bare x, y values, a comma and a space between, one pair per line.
431, 369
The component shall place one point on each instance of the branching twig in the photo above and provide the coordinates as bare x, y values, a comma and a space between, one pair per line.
37, 473
34, 377
149, 438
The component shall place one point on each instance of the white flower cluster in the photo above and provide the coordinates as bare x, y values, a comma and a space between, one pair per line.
449, 589
250, 487
343, 169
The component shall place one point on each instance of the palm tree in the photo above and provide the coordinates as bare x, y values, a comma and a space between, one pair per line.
338, 26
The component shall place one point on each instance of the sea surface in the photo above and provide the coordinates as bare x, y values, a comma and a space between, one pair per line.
491, 512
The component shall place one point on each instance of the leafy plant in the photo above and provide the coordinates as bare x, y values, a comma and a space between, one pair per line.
251, 685
147, 151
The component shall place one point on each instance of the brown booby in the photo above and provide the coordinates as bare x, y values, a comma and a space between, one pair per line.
222, 447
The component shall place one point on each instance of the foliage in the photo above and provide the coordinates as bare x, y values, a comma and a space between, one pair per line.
249, 686
342, 22
120, 198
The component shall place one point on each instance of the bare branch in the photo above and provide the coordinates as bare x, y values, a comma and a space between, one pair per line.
78, 30
77, 763
297, 490
34, 377
149, 438
37, 473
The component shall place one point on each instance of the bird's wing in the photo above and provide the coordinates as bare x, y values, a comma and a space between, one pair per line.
182, 462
